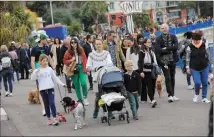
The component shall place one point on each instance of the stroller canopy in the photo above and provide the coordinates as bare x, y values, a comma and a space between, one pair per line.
110, 76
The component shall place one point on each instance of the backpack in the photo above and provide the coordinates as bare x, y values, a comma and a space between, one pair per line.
6, 62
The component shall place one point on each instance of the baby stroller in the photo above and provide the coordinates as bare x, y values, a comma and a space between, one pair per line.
112, 92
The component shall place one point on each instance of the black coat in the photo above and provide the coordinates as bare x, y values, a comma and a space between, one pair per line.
87, 48
172, 48
63, 49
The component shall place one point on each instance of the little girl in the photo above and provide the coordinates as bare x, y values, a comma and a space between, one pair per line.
46, 78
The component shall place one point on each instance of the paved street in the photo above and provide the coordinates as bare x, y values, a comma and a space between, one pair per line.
183, 118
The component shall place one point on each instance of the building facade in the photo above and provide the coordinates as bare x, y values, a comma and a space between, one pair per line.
159, 11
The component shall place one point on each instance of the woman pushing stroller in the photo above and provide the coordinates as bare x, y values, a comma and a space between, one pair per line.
96, 60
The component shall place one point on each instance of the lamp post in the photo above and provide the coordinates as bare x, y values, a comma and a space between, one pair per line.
52, 20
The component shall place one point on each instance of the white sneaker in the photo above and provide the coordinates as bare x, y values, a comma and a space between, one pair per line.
190, 87
175, 98
195, 99
10, 94
6, 94
43, 113
205, 100
86, 103
170, 99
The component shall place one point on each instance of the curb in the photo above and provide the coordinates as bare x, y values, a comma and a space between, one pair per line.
3, 115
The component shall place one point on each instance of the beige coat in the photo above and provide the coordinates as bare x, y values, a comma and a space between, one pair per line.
53, 51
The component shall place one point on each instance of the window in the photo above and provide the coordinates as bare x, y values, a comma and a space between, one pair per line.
157, 3
113, 17
111, 5
175, 14
171, 3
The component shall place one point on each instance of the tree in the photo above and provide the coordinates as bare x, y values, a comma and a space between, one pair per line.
40, 7
203, 8
15, 23
75, 28
94, 9
141, 19
61, 15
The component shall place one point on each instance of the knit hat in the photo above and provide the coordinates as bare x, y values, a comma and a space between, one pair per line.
41, 35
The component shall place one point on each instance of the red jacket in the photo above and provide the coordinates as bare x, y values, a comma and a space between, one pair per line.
68, 57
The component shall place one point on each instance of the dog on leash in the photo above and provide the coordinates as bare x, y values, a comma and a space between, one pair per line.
33, 97
159, 86
77, 109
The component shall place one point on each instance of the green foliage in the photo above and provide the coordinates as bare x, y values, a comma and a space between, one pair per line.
187, 4
15, 23
154, 25
61, 15
94, 9
141, 19
75, 28
40, 7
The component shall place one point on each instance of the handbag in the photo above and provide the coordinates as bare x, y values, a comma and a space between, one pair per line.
155, 71
68, 70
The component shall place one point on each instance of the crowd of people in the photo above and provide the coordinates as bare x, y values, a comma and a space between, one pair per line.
136, 57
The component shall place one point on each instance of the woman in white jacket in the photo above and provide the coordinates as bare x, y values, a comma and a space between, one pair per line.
96, 60
132, 53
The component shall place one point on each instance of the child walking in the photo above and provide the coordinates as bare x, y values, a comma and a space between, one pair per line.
46, 78
133, 86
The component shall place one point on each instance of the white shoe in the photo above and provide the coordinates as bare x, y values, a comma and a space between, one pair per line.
170, 99
10, 94
43, 113
142, 102
6, 94
190, 87
205, 100
86, 103
175, 98
195, 99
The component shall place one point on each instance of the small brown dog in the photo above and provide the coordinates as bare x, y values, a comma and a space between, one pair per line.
33, 97
159, 86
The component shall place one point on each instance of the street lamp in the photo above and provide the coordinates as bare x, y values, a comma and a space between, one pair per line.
51, 13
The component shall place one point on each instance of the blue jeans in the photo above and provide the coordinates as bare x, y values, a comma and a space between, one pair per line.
200, 77
134, 102
7, 80
49, 102
17, 76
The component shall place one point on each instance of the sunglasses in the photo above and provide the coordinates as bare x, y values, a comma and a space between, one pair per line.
73, 42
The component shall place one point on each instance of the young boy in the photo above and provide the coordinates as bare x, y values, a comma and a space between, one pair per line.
133, 86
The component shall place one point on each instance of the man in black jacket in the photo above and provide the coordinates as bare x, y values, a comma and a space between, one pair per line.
88, 48
23, 60
166, 52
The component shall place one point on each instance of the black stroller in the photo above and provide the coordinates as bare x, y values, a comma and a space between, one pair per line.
110, 81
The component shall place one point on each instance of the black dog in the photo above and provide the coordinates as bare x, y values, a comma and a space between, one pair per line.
66, 102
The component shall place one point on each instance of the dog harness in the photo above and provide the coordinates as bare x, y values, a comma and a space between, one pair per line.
73, 107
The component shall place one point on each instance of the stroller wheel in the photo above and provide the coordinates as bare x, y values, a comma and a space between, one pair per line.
123, 117
109, 121
127, 117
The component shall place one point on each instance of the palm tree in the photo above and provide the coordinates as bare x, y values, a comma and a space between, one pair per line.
15, 23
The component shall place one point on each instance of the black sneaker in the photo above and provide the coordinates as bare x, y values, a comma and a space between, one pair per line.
154, 103
135, 118
91, 88
69, 90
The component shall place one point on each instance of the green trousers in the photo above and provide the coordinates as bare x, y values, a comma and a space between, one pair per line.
79, 80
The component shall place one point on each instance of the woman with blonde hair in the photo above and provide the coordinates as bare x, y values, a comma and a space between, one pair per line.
6, 69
